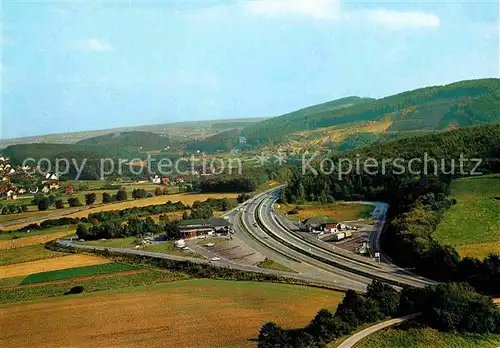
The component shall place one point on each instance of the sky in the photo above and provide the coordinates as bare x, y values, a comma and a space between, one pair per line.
85, 65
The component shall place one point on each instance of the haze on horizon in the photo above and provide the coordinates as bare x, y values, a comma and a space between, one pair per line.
86, 66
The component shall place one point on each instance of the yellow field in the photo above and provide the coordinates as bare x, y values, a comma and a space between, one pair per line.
478, 250
69, 261
336, 211
33, 240
183, 314
186, 198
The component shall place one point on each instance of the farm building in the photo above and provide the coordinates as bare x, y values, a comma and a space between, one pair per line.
193, 228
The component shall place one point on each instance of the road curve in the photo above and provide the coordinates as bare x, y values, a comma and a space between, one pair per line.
360, 268
352, 340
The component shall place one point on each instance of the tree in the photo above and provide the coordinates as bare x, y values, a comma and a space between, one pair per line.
43, 204
74, 202
59, 204
185, 215
386, 297
90, 198
225, 204
158, 191
457, 307
106, 198
271, 336
121, 195
139, 193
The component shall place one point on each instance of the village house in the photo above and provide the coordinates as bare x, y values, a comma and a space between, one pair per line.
165, 180
69, 190
156, 179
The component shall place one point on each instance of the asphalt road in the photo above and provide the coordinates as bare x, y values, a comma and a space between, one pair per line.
260, 228
354, 267
352, 340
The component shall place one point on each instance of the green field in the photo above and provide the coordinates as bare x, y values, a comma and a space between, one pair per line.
129, 243
77, 272
472, 226
17, 234
424, 338
270, 264
25, 254
113, 283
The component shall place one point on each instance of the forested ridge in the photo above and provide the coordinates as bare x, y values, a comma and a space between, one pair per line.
459, 104
417, 202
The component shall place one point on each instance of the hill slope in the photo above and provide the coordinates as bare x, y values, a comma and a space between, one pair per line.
459, 104
145, 141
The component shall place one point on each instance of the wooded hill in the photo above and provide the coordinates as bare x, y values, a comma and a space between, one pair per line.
459, 104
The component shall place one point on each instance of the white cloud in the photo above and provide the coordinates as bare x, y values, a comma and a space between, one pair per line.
397, 19
93, 44
319, 9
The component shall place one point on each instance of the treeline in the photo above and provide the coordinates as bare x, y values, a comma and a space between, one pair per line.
105, 216
122, 214
446, 307
248, 181
463, 103
205, 209
417, 201
133, 227
13, 209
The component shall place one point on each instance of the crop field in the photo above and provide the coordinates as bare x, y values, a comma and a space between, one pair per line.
472, 225
25, 254
336, 211
52, 264
19, 235
75, 272
423, 338
191, 313
14, 293
36, 239
186, 198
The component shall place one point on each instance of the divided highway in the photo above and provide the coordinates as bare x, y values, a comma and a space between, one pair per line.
260, 222
259, 227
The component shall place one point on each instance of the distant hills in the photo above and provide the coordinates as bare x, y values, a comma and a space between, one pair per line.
339, 125
135, 140
353, 121
176, 131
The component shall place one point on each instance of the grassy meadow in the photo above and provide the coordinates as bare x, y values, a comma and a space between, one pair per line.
337, 211
472, 225
76, 272
426, 337
26, 254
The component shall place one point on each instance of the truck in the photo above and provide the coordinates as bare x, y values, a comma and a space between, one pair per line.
348, 234
338, 236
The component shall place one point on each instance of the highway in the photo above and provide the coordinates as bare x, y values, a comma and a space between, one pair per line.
260, 228
262, 224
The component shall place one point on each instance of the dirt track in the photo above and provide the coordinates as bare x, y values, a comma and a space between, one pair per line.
26, 268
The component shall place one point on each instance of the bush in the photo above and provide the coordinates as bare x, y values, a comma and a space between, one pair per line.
43, 204
59, 204
75, 290
90, 198
121, 195
74, 202
106, 198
